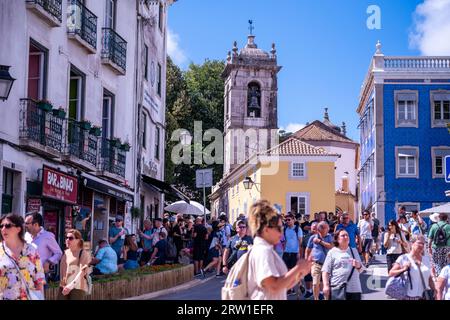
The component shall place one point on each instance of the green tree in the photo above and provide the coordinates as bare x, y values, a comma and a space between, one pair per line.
193, 95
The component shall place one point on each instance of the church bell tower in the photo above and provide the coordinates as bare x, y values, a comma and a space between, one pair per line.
250, 100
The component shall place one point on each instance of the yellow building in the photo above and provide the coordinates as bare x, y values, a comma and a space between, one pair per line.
294, 176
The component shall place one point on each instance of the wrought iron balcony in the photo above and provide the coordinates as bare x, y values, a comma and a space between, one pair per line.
81, 144
51, 10
82, 25
40, 130
113, 159
114, 50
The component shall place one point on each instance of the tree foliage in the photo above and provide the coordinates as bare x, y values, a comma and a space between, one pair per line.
193, 95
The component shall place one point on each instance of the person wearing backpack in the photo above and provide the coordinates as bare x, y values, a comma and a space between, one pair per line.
159, 254
293, 235
266, 277
439, 242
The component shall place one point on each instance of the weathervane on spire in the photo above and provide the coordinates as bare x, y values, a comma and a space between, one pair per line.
251, 27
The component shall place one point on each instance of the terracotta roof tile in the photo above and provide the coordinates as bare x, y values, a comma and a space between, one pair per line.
318, 131
295, 147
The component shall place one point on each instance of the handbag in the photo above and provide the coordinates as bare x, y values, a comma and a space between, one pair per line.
31, 294
428, 294
339, 292
86, 276
396, 287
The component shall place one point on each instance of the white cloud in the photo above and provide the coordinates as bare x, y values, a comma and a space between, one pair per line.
432, 28
293, 127
173, 48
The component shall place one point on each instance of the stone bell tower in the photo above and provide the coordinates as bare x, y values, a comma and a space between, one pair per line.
250, 101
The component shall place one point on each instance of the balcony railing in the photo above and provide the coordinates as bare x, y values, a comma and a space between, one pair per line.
82, 144
82, 22
52, 7
114, 49
113, 159
41, 126
434, 63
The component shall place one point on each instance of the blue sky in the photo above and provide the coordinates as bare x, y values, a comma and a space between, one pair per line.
324, 46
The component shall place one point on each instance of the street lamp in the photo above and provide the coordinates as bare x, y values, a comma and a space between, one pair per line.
185, 138
248, 183
6, 82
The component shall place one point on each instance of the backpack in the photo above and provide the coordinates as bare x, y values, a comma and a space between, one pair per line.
236, 284
171, 249
375, 230
440, 238
295, 229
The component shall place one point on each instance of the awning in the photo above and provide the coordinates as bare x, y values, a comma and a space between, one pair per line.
105, 187
164, 187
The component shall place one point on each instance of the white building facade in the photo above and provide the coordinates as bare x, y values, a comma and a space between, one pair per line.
71, 129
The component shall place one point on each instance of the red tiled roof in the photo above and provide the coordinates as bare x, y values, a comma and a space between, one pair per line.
295, 147
318, 131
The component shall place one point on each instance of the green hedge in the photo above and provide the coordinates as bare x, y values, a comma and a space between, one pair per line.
127, 274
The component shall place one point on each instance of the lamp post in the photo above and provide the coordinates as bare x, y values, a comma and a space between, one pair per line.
248, 183
6, 82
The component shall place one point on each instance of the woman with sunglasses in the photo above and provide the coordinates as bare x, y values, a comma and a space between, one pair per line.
393, 242
15, 255
74, 261
268, 277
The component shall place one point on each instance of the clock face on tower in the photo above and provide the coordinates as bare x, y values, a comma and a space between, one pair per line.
152, 73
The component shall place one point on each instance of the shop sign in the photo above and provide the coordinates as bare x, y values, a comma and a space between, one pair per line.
59, 186
34, 205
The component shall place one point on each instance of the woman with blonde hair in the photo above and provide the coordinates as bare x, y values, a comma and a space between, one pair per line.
268, 276
419, 267
74, 268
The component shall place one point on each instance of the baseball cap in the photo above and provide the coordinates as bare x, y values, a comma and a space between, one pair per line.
119, 218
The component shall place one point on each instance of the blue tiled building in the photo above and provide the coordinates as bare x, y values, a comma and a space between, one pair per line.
404, 108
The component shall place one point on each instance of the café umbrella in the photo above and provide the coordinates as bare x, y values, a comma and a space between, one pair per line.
193, 208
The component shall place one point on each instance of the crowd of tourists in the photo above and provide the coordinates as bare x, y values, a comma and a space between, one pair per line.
318, 257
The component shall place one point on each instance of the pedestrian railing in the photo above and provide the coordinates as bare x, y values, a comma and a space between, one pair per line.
82, 22
114, 49
52, 7
81, 143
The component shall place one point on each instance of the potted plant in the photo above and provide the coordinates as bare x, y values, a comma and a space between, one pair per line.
116, 142
60, 113
85, 125
45, 105
96, 131
135, 212
125, 146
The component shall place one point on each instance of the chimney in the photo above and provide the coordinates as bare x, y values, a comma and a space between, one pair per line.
345, 184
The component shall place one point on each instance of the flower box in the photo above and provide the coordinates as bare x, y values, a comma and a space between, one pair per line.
45, 106
85, 125
125, 147
96, 131
133, 283
60, 113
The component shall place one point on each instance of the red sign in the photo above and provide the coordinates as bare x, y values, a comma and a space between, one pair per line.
33, 205
60, 186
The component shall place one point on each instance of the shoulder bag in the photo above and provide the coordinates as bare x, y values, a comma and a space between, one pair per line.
31, 294
86, 276
339, 292
428, 294
396, 287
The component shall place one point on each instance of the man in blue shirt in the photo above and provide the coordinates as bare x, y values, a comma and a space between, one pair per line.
293, 241
105, 260
351, 228
317, 247
117, 236
146, 241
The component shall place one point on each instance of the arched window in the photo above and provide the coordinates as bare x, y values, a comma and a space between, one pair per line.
254, 100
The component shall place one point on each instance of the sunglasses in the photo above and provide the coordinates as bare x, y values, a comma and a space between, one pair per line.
278, 228
70, 238
7, 225
288, 219
242, 227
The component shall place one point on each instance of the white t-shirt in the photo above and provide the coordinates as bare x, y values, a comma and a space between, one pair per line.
395, 246
338, 264
365, 230
445, 274
418, 288
264, 262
